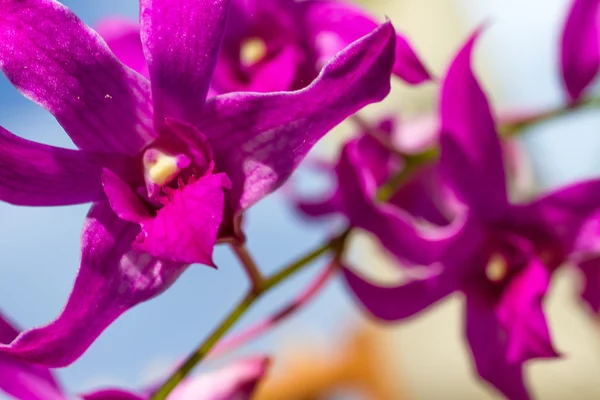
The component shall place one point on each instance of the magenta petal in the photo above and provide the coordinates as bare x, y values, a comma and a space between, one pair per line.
471, 159
7, 331
34, 174
112, 278
332, 25
123, 38
488, 347
520, 313
321, 208
580, 49
57, 61
400, 302
186, 228
111, 394
421, 197
123, 200
259, 139
566, 213
590, 292
277, 74
181, 40
21, 380
393, 226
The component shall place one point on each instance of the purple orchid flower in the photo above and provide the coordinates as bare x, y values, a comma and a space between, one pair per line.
168, 173
24, 381
418, 196
500, 256
272, 45
580, 47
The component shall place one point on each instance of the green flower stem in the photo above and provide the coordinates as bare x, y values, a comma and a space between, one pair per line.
336, 244
252, 270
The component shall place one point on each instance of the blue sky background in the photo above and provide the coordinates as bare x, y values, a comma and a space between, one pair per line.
40, 246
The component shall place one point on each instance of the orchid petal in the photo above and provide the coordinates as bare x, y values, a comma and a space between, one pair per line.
24, 381
34, 174
112, 278
404, 301
580, 50
485, 337
123, 38
277, 74
7, 331
322, 208
377, 157
590, 292
419, 197
236, 381
181, 42
566, 213
393, 226
332, 25
520, 313
123, 200
58, 62
259, 139
112, 394
186, 228
471, 155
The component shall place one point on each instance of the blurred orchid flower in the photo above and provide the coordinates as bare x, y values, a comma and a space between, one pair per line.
273, 45
499, 255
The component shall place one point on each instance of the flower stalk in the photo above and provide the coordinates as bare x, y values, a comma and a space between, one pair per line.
336, 244
254, 275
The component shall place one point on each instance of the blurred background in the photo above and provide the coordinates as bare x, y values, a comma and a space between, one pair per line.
328, 350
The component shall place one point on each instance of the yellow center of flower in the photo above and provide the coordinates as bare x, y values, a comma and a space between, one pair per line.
252, 51
497, 268
161, 168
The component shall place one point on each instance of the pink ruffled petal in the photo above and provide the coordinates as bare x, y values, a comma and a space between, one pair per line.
186, 228
123, 38
57, 61
34, 174
471, 159
259, 139
332, 25
112, 279
580, 48
181, 40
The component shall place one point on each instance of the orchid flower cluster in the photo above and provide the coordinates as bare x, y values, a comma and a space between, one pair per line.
185, 120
